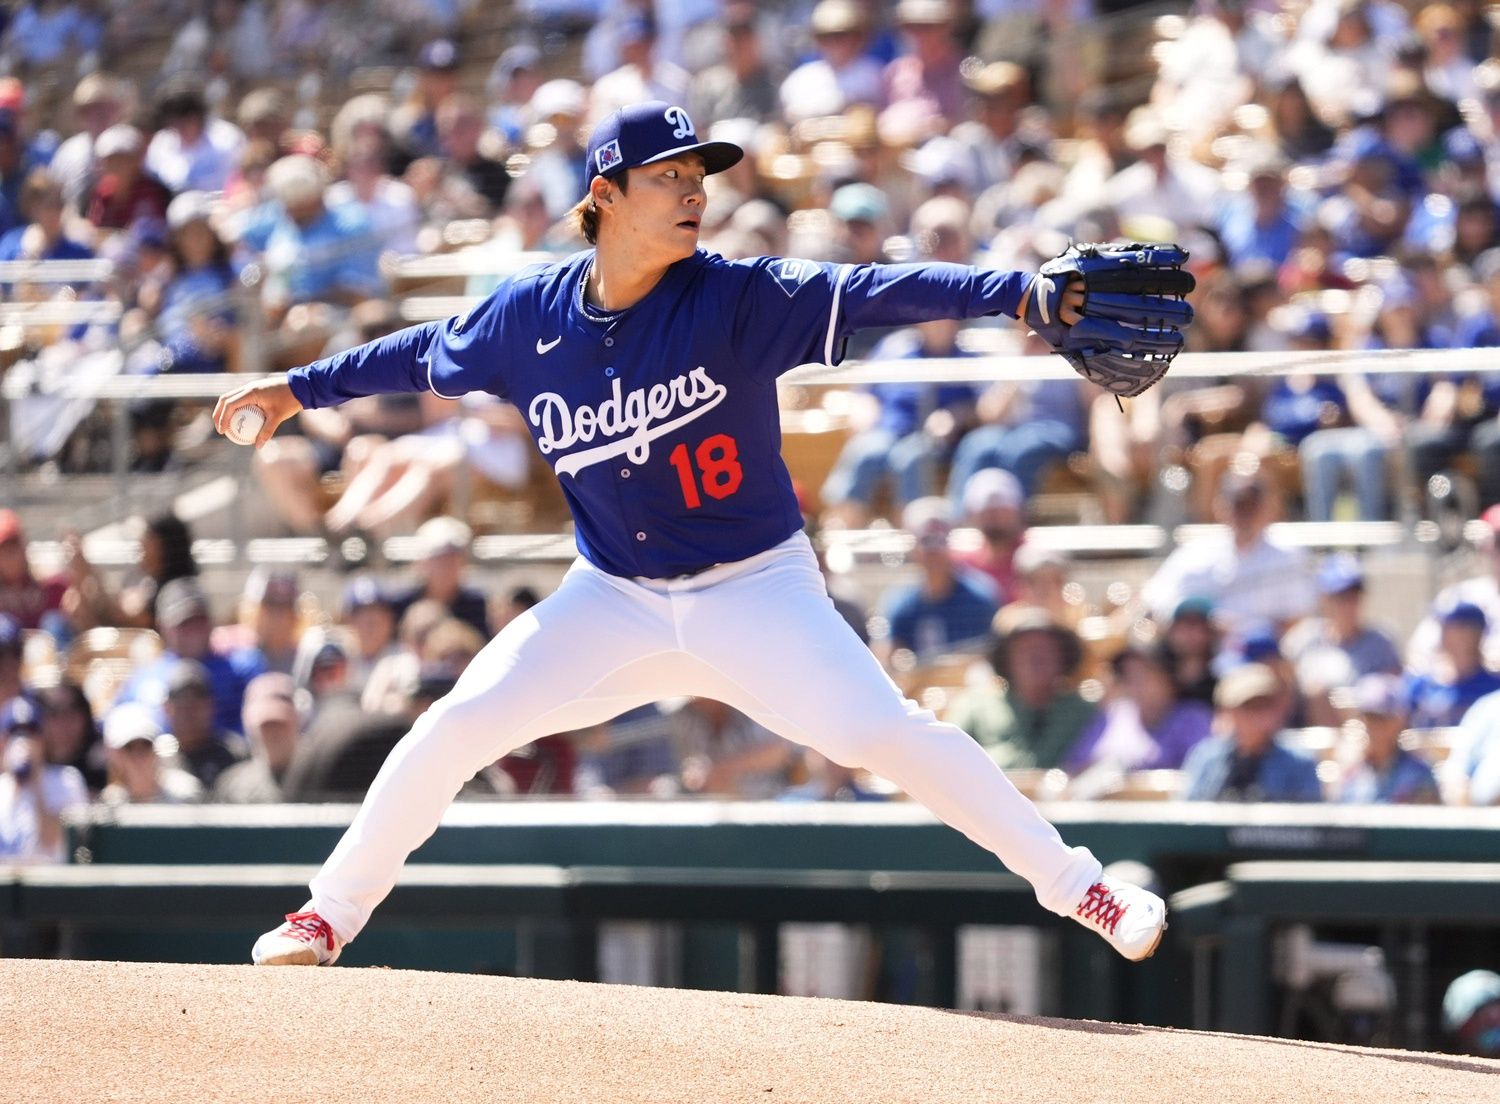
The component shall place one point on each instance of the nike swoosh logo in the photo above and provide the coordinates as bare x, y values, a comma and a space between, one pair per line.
543, 348
1044, 289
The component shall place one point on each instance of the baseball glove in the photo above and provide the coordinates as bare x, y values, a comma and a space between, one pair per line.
1134, 312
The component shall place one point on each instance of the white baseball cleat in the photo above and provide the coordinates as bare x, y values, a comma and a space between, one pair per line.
1130, 919
304, 940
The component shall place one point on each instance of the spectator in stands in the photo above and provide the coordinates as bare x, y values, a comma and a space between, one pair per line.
313, 253
70, 735
507, 606
12, 647
828, 781
403, 480
902, 429
1035, 714
1161, 184
137, 774
632, 754
993, 505
43, 237
341, 753
842, 74
203, 750
52, 33
371, 620
1471, 1013
1250, 579
1481, 589
391, 681
470, 155
512, 82
924, 94
192, 150
1043, 577
1259, 225
1337, 648
992, 138
182, 618
272, 729
1462, 414
99, 102
390, 205
338, 437
124, 193
442, 547
265, 635
265, 115
642, 75
1458, 678
557, 168
1388, 774
724, 753
1024, 426
1146, 724
1471, 773
166, 554
1193, 641
14, 168
1381, 406
33, 792
741, 86
1245, 761
947, 610
414, 123
195, 315
321, 673
33, 603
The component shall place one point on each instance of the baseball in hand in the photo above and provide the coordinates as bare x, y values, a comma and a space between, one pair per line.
245, 425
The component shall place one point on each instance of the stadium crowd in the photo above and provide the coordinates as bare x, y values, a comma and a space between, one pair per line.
1333, 166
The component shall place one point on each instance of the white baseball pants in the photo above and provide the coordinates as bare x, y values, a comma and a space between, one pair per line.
759, 635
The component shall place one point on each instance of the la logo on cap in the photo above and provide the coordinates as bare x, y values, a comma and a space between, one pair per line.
607, 156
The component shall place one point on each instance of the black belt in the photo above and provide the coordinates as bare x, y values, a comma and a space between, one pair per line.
693, 574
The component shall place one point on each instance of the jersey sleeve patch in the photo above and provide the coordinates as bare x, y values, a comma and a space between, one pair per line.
792, 274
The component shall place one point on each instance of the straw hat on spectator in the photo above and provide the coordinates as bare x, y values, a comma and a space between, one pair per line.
837, 17
95, 88
916, 13
120, 138
188, 208
561, 97
998, 78
442, 534
1144, 129
297, 180
1244, 684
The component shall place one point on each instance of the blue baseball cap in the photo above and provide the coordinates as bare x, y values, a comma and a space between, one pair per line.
653, 131
1340, 573
1464, 613
10, 633
364, 591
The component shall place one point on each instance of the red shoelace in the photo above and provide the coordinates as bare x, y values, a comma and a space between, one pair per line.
1101, 908
309, 927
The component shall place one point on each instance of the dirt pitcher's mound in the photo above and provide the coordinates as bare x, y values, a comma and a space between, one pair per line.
85, 1031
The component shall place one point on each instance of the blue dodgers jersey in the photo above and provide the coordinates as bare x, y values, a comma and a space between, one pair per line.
661, 421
